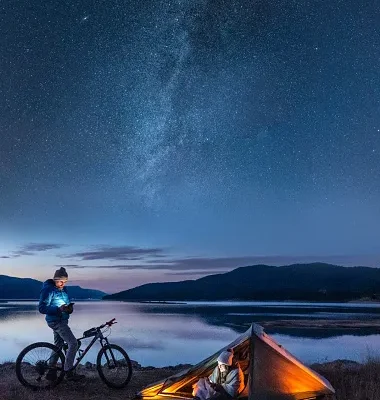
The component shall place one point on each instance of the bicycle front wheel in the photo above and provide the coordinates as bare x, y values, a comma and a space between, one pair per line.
40, 366
114, 366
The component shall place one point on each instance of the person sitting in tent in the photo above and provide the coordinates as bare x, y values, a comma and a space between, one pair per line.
225, 382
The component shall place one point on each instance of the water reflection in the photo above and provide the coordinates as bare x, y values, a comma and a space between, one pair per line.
167, 334
239, 316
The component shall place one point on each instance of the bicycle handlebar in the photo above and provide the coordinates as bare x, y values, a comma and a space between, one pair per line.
109, 323
93, 331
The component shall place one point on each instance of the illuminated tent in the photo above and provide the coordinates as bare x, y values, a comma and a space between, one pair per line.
271, 373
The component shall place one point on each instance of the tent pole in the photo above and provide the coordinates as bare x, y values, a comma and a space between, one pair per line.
251, 366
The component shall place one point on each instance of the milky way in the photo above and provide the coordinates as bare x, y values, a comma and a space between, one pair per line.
208, 129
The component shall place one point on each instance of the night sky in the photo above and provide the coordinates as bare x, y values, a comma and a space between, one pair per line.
153, 140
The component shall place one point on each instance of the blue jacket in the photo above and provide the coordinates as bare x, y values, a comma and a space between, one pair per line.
51, 298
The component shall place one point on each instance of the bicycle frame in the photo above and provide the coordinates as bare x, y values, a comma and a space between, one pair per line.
103, 343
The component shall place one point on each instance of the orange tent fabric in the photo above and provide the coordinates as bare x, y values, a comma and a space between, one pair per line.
271, 373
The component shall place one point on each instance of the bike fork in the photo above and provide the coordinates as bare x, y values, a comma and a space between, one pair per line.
106, 354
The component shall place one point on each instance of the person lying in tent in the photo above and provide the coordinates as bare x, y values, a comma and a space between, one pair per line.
225, 382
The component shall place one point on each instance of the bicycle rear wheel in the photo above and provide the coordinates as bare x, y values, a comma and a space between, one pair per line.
34, 362
114, 366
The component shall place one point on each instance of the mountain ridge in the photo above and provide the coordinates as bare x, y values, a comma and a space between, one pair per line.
12, 287
314, 281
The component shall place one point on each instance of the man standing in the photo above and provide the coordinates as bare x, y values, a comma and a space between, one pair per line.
55, 303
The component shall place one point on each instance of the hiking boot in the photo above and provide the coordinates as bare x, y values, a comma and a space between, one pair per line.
51, 375
72, 376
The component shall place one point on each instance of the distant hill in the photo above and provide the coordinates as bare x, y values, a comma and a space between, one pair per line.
309, 282
27, 288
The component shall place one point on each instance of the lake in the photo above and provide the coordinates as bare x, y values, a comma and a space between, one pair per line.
159, 334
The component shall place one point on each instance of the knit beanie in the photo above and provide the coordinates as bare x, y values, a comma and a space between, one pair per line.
226, 357
61, 275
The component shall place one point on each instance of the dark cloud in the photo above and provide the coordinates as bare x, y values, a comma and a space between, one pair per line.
42, 246
118, 266
195, 264
125, 253
20, 253
31, 248
204, 263
197, 273
199, 265
69, 266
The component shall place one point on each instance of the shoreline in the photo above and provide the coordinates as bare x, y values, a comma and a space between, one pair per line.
363, 300
322, 324
350, 379
136, 366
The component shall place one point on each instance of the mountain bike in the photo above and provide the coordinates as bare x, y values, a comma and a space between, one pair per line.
113, 364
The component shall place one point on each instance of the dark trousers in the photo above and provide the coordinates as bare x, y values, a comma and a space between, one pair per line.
62, 332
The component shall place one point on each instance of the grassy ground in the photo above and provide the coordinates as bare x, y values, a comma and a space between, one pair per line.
90, 388
351, 381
